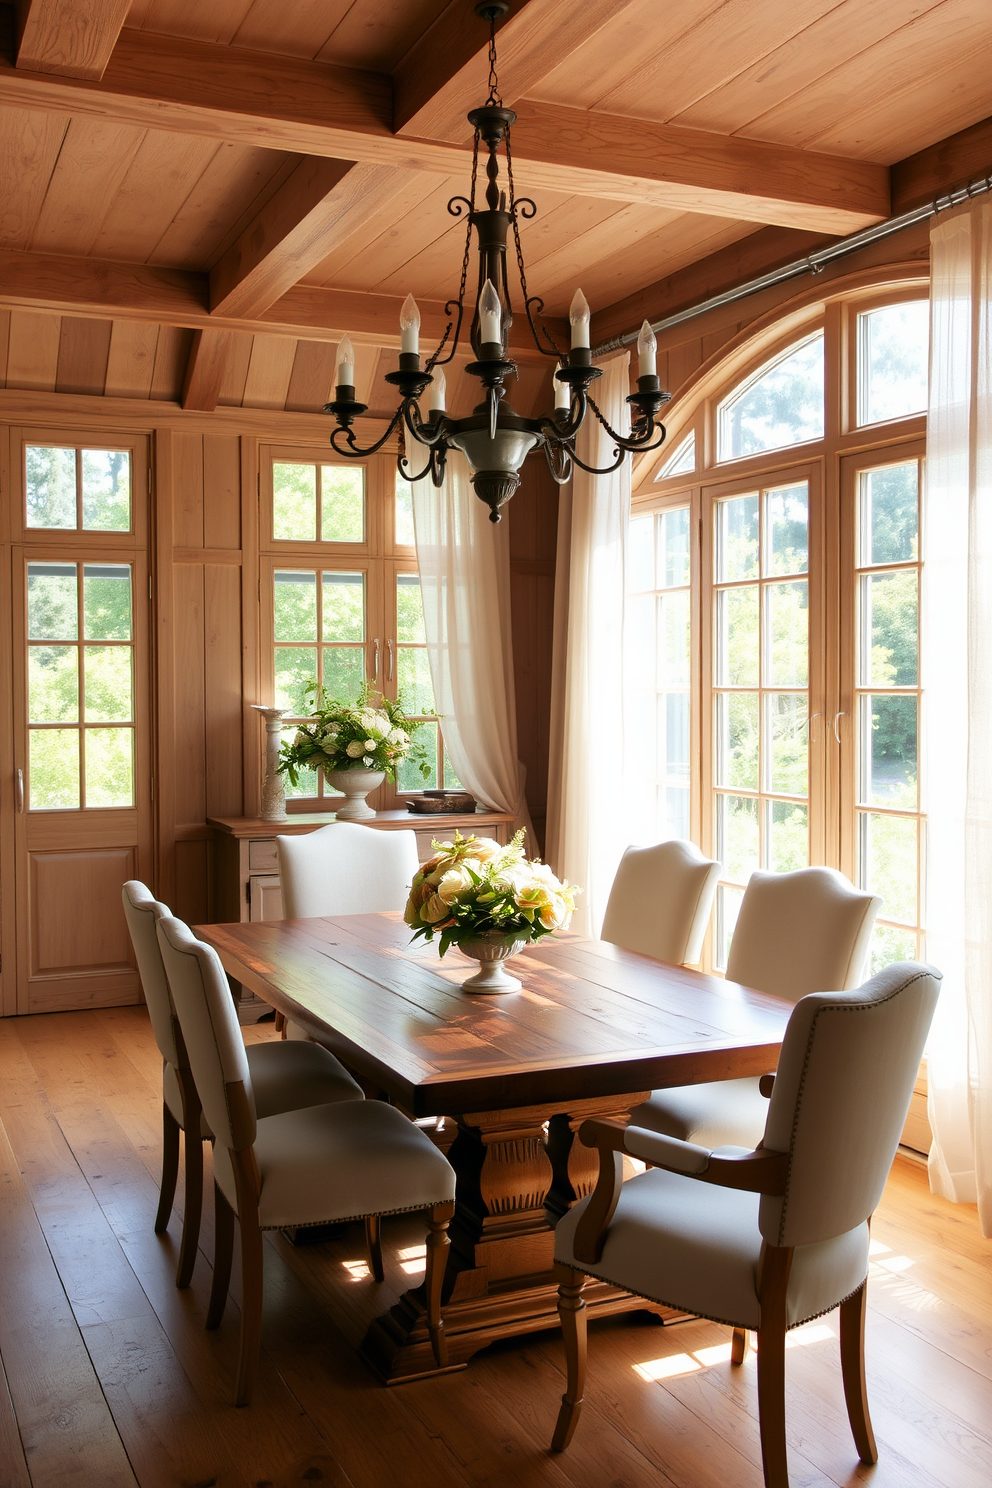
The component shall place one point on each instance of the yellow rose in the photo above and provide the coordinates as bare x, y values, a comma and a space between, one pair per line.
433, 909
453, 884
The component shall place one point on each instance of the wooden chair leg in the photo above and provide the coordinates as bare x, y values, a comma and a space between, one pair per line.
572, 1311
251, 1310
279, 1023
438, 1246
852, 1363
771, 1405
223, 1255
170, 1169
740, 1345
193, 1207
373, 1245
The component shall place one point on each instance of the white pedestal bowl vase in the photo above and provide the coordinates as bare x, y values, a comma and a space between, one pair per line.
354, 785
491, 950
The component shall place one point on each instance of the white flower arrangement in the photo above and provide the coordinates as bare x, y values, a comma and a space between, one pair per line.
473, 887
373, 733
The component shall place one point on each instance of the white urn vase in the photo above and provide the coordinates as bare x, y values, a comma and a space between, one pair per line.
273, 789
491, 950
354, 785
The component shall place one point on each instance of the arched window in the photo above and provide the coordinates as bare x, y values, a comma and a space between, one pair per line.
775, 662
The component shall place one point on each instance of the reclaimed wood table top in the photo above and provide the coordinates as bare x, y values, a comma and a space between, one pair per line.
591, 1020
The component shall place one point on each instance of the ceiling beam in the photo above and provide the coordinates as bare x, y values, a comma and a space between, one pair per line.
206, 368
72, 38
448, 66
180, 297
311, 108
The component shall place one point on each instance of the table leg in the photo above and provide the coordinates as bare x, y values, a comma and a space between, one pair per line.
513, 1184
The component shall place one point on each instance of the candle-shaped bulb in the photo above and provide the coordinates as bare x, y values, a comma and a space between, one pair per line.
346, 362
410, 326
490, 314
579, 314
647, 352
436, 392
563, 395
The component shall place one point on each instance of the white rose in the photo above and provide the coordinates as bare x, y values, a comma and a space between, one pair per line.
355, 749
454, 884
397, 736
485, 848
369, 746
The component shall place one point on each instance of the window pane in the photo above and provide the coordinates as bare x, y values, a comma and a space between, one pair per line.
682, 461
737, 740
737, 827
893, 347
889, 638
294, 503
673, 727
674, 810
728, 907
53, 769
52, 610
673, 639
788, 836
888, 945
344, 672
410, 629
404, 513
782, 404
50, 486
785, 721
107, 680
788, 635
107, 602
296, 668
53, 684
737, 539
737, 637
413, 680
673, 548
889, 524
295, 607
787, 530
109, 767
888, 848
451, 781
307, 786
408, 776
889, 750
344, 607
640, 554
342, 503
107, 490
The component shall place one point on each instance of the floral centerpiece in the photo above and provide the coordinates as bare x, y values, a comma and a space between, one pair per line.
489, 901
356, 745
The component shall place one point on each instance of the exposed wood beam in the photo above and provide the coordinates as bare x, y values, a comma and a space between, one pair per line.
321, 204
205, 369
447, 70
88, 286
951, 162
311, 108
73, 38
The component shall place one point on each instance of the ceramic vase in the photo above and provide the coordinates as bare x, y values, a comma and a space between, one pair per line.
354, 785
273, 788
491, 950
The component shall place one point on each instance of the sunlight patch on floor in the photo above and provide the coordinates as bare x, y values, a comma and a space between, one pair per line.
357, 1270
413, 1259
674, 1365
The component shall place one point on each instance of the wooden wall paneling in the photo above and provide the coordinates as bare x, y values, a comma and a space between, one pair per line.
29, 150
232, 389
224, 792
95, 157
252, 731
311, 382
163, 771
171, 356
131, 359
4, 343
366, 362
533, 534
221, 491
269, 371
187, 499
33, 350
84, 349
191, 900
188, 750
8, 923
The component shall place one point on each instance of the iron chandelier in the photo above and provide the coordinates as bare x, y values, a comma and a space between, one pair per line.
494, 439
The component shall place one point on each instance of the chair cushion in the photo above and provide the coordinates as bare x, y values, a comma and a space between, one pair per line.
695, 1246
719, 1114
288, 1076
342, 1161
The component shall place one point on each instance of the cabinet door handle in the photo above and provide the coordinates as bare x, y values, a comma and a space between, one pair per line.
20, 791
375, 660
389, 663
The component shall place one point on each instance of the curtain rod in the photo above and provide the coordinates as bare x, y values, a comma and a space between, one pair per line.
814, 263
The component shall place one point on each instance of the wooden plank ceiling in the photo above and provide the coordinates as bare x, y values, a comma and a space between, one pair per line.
268, 175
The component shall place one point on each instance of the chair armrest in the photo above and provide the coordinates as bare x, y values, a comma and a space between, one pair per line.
754, 1172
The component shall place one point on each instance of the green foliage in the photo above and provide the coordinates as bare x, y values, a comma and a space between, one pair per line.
783, 405
372, 733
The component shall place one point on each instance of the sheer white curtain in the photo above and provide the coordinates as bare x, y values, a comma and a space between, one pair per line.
586, 833
957, 677
464, 565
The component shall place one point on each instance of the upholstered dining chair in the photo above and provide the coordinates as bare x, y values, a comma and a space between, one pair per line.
769, 1238
320, 1165
660, 901
284, 1077
796, 933
343, 869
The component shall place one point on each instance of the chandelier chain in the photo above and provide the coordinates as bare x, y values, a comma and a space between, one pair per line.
466, 259
494, 93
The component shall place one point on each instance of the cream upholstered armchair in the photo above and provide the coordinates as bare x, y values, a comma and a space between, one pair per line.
321, 1165
796, 933
284, 1077
661, 900
769, 1238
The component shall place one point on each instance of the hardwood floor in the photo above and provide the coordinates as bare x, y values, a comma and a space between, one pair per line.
109, 1379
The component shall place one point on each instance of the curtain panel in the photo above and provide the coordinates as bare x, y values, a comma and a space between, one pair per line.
957, 705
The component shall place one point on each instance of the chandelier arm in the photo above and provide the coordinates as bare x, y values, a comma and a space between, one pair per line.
640, 436
429, 433
621, 455
559, 460
439, 458
402, 460
354, 451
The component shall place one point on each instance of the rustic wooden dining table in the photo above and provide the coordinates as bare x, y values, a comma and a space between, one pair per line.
593, 1030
